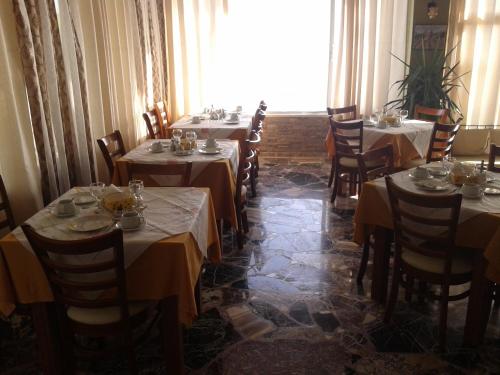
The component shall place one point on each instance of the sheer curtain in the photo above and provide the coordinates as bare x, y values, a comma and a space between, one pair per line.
18, 161
362, 35
475, 28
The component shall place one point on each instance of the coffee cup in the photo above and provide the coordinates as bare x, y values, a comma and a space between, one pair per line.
239, 109
66, 207
156, 146
210, 143
195, 119
131, 219
233, 116
421, 172
471, 190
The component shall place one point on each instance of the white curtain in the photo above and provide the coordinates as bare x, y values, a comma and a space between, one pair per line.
195, 43
474, 27
363, 33
18, 161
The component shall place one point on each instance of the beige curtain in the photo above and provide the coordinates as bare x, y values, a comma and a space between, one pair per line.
474, 27
57, 96
18, 160
195, 37
361, 69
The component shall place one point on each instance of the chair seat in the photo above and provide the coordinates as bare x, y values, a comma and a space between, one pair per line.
460, 264
105, 315
353, 163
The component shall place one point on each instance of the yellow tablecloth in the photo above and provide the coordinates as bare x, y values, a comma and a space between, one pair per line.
481, 232
168, 267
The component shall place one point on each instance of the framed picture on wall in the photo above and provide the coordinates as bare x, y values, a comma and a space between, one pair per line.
429, 36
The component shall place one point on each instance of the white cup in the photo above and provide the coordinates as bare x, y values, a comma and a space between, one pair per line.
210, 143
472, 190
381, 124
239, 109
421, 172
195, 119
131, 219
234, 116
66, 207
156, 146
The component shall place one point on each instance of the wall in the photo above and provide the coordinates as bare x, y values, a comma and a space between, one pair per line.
295, 136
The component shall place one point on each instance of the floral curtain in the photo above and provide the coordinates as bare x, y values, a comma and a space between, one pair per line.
55, 83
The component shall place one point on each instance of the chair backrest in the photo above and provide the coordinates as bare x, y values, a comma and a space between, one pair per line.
349, 112
431, 114
77, 284
263, 105
247, 156
383, 160
112, 148
258, 119
8, 220
146, 172
442, 138
348, 138
494, 152
162, 116
153, 125
424, 224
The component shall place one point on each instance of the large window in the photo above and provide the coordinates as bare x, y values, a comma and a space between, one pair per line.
275, 50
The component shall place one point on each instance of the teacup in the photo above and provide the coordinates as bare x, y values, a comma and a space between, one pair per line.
210, 143
233, 116
66, 207
195, 119
157, 146
131, 219
239, 109
421, 172
472, 190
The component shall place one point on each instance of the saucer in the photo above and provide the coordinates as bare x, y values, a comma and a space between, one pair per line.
492, 191
231, 122
432, 185
210, 151
82, 199
54, 212
90, 223
437, 171
150, 149
420, 178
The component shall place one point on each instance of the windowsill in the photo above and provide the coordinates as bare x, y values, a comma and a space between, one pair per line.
296, 114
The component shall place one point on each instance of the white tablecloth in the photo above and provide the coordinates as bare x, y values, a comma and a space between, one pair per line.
169, 211
214, 128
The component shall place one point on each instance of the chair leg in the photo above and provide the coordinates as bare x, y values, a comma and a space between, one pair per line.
244, 220
132, 364
197, 292
253, 180
391, 303
409, 288
257, 167
336, 183
443, 316
332, 173
364, 260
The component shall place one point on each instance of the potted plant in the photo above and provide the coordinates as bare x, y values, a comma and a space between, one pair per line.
428, 83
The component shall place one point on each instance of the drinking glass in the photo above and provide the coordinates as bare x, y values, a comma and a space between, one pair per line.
177, 134
136, 187
404, 114
191, 137
97, 191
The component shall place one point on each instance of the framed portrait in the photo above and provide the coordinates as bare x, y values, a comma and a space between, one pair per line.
429, 36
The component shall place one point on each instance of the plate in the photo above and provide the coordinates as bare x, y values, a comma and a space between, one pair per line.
432, 185
53, 211
82, 199
214, 151
437, 171
492, 191
139, 227
231, 122
90, 223
420, 178
155, 152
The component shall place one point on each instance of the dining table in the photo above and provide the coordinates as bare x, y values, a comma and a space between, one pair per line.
223, 128
163, 260
478, 229
215, 171
409, 141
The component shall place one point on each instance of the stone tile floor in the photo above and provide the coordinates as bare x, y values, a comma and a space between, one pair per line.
288, 304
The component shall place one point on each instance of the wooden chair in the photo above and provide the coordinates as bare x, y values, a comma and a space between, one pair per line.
258, 120
431, 114
75, 287
244, 171
263, 105
252, 153
112, 148
146, 172
8, 221
442, 139
494, 152
348, 113
425, 247
383, 158
162, 117
348, 138
154, 126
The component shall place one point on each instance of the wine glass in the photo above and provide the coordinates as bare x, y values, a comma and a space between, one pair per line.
177, 134
97, 191
136, 187
191, 137
404, 114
